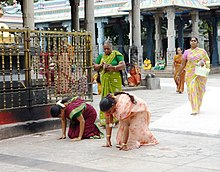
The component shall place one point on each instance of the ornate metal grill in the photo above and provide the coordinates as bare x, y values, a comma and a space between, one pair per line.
38, 67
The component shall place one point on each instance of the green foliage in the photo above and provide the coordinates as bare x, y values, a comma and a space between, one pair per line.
205, 27
6, 2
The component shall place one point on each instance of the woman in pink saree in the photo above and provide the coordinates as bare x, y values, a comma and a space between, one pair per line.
195, 84
134, 118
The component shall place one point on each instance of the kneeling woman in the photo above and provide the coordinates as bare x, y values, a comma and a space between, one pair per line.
134, 118
82, 117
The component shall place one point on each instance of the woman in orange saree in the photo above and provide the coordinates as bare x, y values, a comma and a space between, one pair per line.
134, 118
195, 84
176, 66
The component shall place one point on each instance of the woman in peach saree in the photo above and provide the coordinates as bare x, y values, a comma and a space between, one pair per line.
176, 66
134, 118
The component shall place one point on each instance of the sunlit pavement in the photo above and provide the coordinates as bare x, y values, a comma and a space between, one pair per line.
186, 143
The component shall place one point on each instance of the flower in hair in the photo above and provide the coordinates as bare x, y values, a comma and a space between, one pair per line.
60, 104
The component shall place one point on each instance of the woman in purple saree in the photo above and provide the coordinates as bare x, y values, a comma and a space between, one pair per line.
82, 118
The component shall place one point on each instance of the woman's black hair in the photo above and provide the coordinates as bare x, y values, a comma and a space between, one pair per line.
179, 48
55, 110
107, 102
194, 38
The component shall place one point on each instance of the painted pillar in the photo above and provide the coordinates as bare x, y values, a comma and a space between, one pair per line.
74, 14
120, 30
130, 33
180, 24
171, 34
158, 39
101, 37
136, 30
215, 55
149, 44
28, 14
90, 22
195, 23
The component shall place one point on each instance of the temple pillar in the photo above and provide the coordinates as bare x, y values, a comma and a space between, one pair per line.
215, 55
90, 22
150, 43
120, 30
28, 13
101, 37
171, 34
136, 30
158, 39
74, 14
195, 23
180, 24
130, 28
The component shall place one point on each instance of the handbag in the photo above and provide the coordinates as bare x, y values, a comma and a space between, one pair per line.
202, 71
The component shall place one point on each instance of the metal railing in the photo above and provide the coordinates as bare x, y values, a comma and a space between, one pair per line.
39, 67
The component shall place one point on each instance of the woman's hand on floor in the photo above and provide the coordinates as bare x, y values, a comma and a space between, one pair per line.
76, 139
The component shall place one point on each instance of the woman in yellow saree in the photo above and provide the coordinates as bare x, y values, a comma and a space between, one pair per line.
177, 61
195, 84
109, 64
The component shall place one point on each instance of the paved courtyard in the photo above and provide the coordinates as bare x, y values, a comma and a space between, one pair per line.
186, 143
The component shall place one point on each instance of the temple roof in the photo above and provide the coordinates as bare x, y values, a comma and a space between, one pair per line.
210, 3
58, 10
148, 5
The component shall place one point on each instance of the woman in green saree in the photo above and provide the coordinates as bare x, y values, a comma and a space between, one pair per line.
109, 64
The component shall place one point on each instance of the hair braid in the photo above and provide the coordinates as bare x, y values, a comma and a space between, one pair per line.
131, 97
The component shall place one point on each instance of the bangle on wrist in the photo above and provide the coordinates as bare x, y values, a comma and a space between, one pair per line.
111, 125
108, 135
124, 144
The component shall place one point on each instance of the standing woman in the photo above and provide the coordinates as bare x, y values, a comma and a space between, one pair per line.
82, 117
110, 63
134, 118
195, 84
176, 66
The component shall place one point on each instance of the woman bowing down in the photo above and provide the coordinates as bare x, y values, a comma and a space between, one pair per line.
82, 118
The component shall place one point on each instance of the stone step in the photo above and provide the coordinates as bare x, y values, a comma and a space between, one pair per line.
167, 73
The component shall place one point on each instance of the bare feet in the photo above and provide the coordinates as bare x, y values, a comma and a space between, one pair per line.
108, 144
194, 113
118, 146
